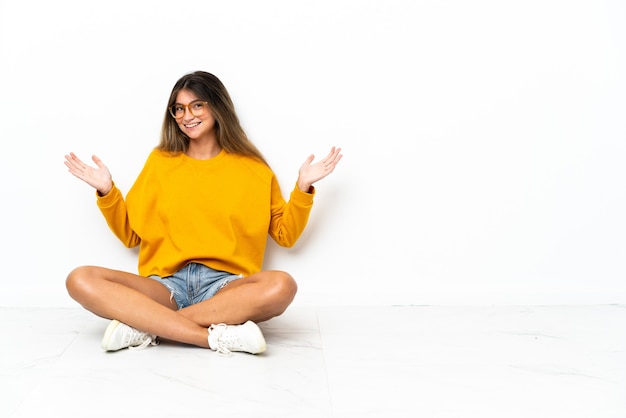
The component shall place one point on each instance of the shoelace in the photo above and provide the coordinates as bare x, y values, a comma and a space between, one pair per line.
223, 342
136, 336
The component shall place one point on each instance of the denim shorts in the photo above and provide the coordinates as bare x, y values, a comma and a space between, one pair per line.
195, 283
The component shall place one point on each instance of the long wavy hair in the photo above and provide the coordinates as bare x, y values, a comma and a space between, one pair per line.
230, 135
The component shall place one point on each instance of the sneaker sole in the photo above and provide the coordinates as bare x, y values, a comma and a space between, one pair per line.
106, 340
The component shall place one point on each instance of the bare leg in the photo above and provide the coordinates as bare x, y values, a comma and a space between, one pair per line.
257, 298
145, 304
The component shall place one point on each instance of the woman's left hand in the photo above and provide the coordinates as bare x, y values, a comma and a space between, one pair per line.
310, 173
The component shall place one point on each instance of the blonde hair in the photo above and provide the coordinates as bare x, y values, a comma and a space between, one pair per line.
230, 135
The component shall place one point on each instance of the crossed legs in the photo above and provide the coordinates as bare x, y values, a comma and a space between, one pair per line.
145, 304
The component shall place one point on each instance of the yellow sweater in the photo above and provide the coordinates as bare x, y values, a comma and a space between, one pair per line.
217, 212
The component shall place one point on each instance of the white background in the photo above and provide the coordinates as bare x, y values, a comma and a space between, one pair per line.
484, 141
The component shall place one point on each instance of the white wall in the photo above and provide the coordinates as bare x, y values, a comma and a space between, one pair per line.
484, 141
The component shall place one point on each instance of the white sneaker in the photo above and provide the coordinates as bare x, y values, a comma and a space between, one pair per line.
119, 335
246, 337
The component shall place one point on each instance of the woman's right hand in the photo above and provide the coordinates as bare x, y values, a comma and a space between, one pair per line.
98, 178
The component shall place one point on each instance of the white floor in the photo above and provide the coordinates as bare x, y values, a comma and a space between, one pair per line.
419, 361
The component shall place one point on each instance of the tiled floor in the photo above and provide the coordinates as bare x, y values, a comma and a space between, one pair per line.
420, 361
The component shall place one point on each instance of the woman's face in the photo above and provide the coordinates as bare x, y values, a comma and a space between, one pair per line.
194, 117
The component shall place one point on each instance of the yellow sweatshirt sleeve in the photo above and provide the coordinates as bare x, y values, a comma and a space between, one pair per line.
289, 219
113, 207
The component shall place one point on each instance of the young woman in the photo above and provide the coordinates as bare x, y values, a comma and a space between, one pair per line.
200, 211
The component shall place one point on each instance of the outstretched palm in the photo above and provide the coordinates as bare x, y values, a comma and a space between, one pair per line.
310, 173
98, 178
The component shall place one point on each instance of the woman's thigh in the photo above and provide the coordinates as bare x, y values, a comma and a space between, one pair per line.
266, 279
257, 297
93, 277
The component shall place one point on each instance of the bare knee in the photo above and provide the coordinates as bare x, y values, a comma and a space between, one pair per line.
80, 281
283, 290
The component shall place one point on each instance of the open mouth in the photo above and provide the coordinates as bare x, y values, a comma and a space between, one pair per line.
192, 125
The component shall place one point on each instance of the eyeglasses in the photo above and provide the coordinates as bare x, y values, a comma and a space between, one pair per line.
196, 108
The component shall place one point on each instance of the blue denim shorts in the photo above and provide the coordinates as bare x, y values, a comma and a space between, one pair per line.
195, 283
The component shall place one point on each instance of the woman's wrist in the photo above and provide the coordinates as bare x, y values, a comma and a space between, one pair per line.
101, 192
304, 187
